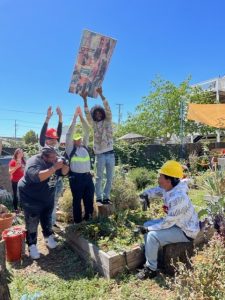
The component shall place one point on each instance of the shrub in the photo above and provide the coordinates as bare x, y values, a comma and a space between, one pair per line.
142, 177
65, 203
6, 199
124, 193
206, 278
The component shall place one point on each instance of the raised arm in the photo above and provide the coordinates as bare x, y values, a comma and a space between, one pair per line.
86, 128
69, 135
108, 113
45, 126
86, 109
59, 128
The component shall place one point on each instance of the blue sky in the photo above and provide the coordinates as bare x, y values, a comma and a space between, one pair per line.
39, 40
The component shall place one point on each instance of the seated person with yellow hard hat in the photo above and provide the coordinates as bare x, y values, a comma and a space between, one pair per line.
81, 183
181, 223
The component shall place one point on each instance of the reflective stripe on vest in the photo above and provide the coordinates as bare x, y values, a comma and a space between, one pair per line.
80, 159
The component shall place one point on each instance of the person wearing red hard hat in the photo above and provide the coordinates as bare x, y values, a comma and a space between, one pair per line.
51, 137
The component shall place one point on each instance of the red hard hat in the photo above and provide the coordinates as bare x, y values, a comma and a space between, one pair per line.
51, 133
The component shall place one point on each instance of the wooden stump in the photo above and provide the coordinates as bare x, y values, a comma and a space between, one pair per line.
170, 254
4, 289
105, 210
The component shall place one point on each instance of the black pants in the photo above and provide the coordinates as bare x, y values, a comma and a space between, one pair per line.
82, 187
32, 219
15, 197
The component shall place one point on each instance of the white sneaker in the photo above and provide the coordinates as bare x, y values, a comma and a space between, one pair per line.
50, 242
34, 254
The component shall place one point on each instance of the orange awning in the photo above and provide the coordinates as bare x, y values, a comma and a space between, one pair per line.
209, 114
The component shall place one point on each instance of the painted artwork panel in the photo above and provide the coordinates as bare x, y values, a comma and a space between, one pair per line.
92, 62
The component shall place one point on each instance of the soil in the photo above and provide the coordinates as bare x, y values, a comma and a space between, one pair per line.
54, 261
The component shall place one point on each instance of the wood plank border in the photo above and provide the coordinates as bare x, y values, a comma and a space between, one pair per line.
110, 263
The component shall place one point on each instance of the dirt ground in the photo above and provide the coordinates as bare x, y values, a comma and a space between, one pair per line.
51, 260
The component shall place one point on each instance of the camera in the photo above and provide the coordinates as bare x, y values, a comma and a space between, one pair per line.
63, 159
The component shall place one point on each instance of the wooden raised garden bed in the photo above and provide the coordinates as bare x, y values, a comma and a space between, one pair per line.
110, 263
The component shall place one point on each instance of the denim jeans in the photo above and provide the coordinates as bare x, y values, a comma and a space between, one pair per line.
104, 161
159, 238
58, 192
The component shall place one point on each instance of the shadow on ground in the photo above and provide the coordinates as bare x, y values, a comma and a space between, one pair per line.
61, 261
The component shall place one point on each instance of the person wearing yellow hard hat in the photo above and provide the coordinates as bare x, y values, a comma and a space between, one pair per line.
81, 182
181, 222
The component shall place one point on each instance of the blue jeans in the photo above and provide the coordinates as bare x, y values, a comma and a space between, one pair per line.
58, 192
159, 238
104, 161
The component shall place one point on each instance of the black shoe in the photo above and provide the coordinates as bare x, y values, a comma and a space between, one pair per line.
99, 202
146, 273
56, 228
87, 217
107, 201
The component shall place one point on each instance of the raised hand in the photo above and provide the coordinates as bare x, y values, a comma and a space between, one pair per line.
49, 112
99, 90
58, 111
80, 111
84, 95
77, 112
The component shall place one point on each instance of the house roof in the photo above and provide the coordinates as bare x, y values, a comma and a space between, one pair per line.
132, 136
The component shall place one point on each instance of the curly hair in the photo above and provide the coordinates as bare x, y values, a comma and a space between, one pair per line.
95, 109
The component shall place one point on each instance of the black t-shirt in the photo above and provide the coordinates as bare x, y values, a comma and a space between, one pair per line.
31, 189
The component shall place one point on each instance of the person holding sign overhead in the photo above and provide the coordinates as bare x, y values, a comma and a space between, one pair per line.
101, 120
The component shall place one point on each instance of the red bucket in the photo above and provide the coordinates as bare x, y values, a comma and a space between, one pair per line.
14, 238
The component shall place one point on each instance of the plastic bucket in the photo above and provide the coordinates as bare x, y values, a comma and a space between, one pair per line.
14, 238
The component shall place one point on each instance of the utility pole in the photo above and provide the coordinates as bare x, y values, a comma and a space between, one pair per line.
119, 113
182, 101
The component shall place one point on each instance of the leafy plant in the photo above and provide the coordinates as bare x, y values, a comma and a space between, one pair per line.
116, 232
205, 280
214, 183
65, 203
6, 199
142, 177
124, 193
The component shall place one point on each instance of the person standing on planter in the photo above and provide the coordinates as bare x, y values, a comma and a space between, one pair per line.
36, 192
51, 137
16, 171
101, 120
181, 223
81, 183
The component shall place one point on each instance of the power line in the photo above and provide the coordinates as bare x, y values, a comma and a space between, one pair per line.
30, 112
21, 121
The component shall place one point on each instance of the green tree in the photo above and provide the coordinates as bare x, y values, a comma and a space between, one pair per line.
158, 114
30, 137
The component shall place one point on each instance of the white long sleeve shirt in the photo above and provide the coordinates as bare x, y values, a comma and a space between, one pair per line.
180, 210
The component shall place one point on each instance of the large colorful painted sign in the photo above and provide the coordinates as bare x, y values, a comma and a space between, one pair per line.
92, 62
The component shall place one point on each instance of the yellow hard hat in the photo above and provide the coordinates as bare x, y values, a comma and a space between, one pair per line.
172, 168
77, 136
